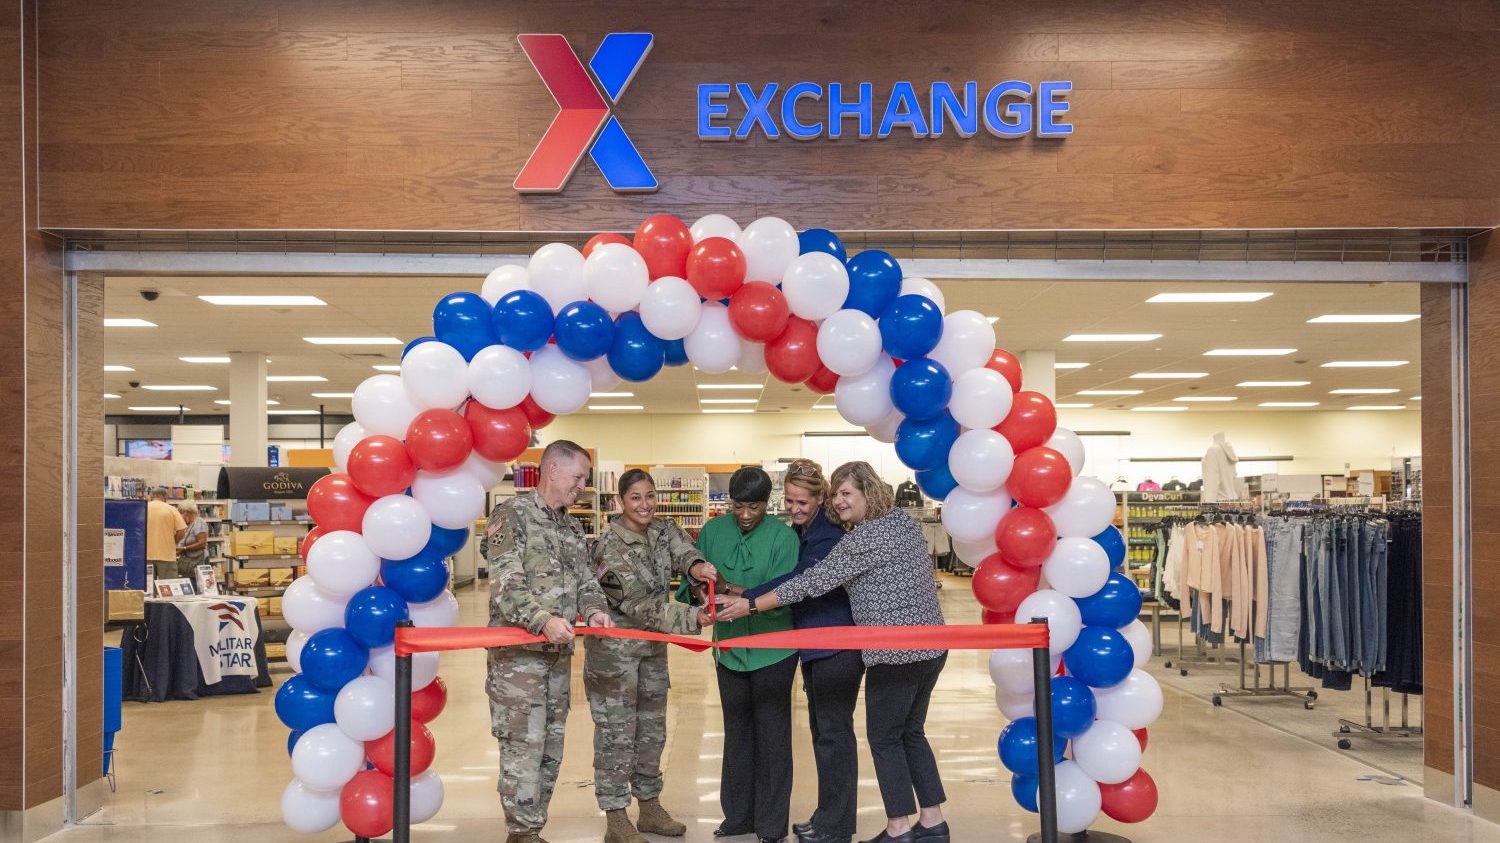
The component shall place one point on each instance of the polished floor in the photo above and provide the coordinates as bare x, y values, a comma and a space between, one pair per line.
213, 770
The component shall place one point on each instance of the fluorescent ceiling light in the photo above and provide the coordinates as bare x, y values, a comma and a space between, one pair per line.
333, 395
1359, 318
728, 400
1416, 398
1364, 364
204, 359
225, 402
1362, 391
725, 411
172, 387
112, 395
353, 340
291, 412
1289, 404
268, 301
1070, 365
1158, 409
992, 319
596, 394
616, 407
386, 368
1110, 391
825, 407
113, 368
1378, 407
1273, 383
1111, 337
172, 409
296, 379
1249, 352
128, 323
1206, 398
1072, 406
731, 386
1168, 376
1205, 298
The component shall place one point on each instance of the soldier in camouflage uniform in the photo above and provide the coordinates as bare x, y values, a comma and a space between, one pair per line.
627, 680
541, 578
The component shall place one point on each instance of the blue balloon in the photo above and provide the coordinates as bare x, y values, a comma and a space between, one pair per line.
300, 705
372, 614
920, 389
414, 343
923, 444
464, 321
1113, 543
676, 353
822, 240
446, 542
636, 354
1115, 605
1073, 706
584, 330
936, 483
523, 320
331, 657
911, 327
1024, 789
1018, 747
1101, 657
418, 579
874, 282
292, 738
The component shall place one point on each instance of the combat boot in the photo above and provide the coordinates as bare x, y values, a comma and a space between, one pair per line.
619, 829
524, 837
654, 819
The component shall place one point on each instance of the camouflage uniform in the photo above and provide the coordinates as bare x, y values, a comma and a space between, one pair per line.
539, 569
626, 680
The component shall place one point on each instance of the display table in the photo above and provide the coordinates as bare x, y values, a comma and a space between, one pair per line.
191, 647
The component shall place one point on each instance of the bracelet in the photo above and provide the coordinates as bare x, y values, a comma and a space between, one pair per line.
754, 610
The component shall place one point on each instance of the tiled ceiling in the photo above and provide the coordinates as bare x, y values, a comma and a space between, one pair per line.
1032, 315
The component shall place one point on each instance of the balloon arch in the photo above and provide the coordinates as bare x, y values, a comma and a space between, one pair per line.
537, 339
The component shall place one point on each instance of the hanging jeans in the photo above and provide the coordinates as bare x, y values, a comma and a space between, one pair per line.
1278, 641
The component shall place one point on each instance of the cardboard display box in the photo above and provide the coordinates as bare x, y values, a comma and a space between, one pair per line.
280, 577
285, 545
125, 605
252, 578
253, 543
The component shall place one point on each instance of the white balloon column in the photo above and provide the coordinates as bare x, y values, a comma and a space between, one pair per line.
536, 340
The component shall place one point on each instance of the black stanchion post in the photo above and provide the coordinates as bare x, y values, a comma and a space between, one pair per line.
401, 808
1041, 667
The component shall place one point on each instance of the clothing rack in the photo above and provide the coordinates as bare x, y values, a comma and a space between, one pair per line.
1308, 696
1384, 732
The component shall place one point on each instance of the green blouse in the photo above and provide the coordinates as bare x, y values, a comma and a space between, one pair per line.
750, 559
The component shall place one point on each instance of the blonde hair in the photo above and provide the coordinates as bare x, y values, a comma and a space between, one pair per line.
879, 497
808, 475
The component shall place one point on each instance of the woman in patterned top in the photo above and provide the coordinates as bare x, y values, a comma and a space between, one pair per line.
882, 562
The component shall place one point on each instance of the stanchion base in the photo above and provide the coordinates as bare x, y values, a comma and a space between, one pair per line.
1083, 837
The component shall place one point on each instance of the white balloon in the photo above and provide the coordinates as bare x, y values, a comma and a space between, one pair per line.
1015, 706
295, 641
309, 609
1086, 509
714, 225
1078, 567
1063, 621
558, 385
602, 378
424, 668
974, 552
452, 499
381, 405
441, 611
1139, 637
309, 811
815, 285
1011, 671
971, 516
981, 460
499, 377
1078, 798
968, 341
502, 280
616, 276
341, 564
670, 308
713, 346
885, 429
344, 441
981, 398
434, 375
1134, 703
326, 759
1107, 752
487, 472
395, 527
770, 245
1067, 443
752, 358
915, 286
426, 796
866, 398
365, 708
849, 342
556, 272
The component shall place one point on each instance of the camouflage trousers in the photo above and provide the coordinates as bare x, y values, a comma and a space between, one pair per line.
627, 684
528, 693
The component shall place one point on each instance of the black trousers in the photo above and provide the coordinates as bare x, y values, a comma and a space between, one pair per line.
832, 686
896, 697
755, 787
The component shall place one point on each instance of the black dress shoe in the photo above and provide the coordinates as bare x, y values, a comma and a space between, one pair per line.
771, 839
931, 834
816, 836
801, 829
721, 831
882, 837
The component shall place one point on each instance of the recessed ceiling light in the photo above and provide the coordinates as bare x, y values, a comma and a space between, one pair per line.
128, 323
1364, 364
110, 395
1168, 376
1378, 407
267, 301
114, 368
721, 412
616, 407
1109, 392
295, 379
1249, 352
728, 400
386, 368
172, 387
1158, 409
1205, 298
1070, 365
1358, 318
1416, 398
1206, 398
292, 412
225, 402
992, 319
825, 406
333, 395
1111, 337
353, 340
1289, 404
204, 359
1273, 383
172, 409
731, 386
1072, 406
600, 394
1362, 391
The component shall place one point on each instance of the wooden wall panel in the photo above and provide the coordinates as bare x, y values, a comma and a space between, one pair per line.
1484, 427
1437, 532
387, 114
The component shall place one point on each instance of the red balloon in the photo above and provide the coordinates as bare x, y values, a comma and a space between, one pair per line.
365, 803
1031, 422
439, 440
793, 355
1000, 586
664, 242
429, 702
380, 466
499, 435
382, 751
536, 417
335, 503
823, 380
1130, 801
1140, 735
309, 540
716, 268
758, 311
1026, 536
1007, 364
1039, 478
987, 616
600, 239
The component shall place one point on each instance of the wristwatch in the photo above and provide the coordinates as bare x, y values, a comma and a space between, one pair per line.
753, 609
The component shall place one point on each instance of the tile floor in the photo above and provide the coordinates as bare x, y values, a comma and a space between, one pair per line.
213, 770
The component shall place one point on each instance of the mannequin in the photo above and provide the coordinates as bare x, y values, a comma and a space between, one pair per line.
1219, 471
1173, 485
1148, 485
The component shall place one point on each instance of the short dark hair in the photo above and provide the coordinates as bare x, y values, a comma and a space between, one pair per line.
632, 477
750, 484
560, 449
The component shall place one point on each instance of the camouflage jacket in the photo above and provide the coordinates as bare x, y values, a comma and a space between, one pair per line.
539, 566
635, 570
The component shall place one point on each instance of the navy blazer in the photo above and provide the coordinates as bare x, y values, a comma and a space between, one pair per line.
832, 609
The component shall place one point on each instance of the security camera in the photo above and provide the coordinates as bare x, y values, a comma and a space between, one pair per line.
150, 295
135, 384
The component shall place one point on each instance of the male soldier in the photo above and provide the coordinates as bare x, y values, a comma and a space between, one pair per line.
541, 578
